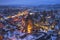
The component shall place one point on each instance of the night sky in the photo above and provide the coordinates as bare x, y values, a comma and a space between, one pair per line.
28, 2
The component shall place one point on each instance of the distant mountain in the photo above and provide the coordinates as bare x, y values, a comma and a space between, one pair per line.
43, 6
